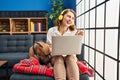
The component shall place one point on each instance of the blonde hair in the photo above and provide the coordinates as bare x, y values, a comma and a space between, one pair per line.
58, 22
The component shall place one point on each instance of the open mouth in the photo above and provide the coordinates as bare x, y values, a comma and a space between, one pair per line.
69, 23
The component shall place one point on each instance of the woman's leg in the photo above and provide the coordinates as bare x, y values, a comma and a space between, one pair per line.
59, 68
72, 68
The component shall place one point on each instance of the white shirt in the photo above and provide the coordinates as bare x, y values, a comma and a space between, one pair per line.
54, 32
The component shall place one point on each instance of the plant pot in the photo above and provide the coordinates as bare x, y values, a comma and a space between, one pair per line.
4, 30
21, 30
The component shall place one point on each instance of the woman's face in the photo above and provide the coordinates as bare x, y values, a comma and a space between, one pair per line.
68, 19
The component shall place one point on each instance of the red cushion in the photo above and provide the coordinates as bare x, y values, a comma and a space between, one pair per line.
32, 66
84, 69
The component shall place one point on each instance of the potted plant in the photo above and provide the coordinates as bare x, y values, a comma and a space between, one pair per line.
56, 8
4, 29
22, 29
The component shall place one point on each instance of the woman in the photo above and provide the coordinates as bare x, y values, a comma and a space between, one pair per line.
64, 66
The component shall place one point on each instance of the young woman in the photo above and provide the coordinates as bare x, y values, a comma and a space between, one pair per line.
64, 66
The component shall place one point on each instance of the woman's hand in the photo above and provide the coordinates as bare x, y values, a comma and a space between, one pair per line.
79, 32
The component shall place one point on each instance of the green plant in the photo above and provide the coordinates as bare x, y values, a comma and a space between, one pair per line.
4, 29
56, 8
22, 28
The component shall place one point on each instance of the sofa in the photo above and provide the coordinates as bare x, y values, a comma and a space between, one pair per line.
15, 48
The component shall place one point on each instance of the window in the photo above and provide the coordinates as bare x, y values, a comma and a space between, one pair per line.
100, 21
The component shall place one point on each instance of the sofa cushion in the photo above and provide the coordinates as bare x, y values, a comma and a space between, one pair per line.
19, 76
38, 37
13, 58
15, 43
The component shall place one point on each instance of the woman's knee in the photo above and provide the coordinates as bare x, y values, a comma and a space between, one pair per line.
58, 59
70, 58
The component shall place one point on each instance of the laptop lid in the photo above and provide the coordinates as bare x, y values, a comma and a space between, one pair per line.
66, 45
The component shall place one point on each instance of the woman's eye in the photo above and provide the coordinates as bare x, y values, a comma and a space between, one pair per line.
73, 18
70, 17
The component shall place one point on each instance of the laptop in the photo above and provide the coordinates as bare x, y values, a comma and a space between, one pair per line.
66, 45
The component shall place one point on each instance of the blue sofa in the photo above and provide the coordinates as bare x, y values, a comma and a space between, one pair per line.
14, 48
